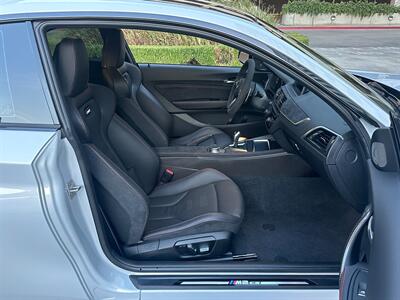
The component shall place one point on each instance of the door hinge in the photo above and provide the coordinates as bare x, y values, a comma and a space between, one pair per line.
72, 189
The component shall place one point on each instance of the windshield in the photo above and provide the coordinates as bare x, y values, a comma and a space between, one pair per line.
357, 83
376, 108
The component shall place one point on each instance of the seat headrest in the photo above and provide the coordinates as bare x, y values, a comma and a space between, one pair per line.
72, 65
113, 55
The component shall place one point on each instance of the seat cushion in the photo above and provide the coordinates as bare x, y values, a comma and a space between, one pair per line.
205, 201
205, 136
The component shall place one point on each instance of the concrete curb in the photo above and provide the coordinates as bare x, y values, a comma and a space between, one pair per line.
340, 19
288, 28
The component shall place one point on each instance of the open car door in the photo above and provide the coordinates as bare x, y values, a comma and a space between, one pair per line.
371, 263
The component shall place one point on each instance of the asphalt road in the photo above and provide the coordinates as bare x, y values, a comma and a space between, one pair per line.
367, 50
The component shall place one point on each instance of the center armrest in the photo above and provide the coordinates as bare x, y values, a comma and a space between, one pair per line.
182, 150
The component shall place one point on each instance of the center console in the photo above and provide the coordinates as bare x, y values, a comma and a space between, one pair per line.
261, 156
264, 143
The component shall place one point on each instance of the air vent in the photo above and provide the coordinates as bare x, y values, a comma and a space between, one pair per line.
322, 139
280, 98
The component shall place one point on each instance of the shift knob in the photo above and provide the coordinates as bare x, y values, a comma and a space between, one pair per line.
236, 137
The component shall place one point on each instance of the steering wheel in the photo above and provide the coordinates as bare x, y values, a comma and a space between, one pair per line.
241, 88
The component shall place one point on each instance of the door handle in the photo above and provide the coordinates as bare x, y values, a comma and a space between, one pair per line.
229, 81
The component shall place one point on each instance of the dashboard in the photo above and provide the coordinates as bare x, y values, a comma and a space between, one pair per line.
303, 123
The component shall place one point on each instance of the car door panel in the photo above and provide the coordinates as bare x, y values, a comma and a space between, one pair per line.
190, 87
200, 93
187, 73
192, 90
200, 104
384, 264
376, 275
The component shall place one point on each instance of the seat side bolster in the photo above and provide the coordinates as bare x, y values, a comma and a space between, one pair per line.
125, 193
140, 160
204, 223
197, 179
153, 107
205, 136
137, 119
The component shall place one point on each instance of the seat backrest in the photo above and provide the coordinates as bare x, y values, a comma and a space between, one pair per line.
124, 167
135, 103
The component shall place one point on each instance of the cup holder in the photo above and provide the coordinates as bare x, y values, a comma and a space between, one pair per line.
252, 145
261, 145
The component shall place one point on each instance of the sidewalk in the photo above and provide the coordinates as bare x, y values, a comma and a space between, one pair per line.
358, 49
340, 27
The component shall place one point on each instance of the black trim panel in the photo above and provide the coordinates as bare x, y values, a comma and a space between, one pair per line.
301, 281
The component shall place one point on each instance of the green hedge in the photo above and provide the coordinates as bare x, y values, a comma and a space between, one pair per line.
248, 6
361, 8
207, 55
298, 36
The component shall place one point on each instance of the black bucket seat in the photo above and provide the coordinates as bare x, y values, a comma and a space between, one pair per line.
139, 107
184, 218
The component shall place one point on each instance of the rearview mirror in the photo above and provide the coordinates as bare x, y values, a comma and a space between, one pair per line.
243, 57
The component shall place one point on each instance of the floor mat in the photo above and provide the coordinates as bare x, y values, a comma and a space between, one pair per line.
293, 220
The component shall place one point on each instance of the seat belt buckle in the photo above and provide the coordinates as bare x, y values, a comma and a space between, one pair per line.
167, 175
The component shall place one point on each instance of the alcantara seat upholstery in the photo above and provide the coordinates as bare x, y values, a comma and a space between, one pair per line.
126, 169
204, 201
139, 107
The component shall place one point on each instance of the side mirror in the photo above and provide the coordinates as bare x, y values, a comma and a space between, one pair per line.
383, 150
243, 57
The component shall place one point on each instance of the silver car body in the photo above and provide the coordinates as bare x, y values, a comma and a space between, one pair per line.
49, 247
391, 80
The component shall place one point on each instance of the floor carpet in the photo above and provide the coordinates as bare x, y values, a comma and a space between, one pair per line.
293, 220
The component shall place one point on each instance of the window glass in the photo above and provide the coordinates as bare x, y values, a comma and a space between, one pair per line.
90, 36
24, 96
171, 48
6, 103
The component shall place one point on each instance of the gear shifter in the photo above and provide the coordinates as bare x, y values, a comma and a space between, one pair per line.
236, 137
